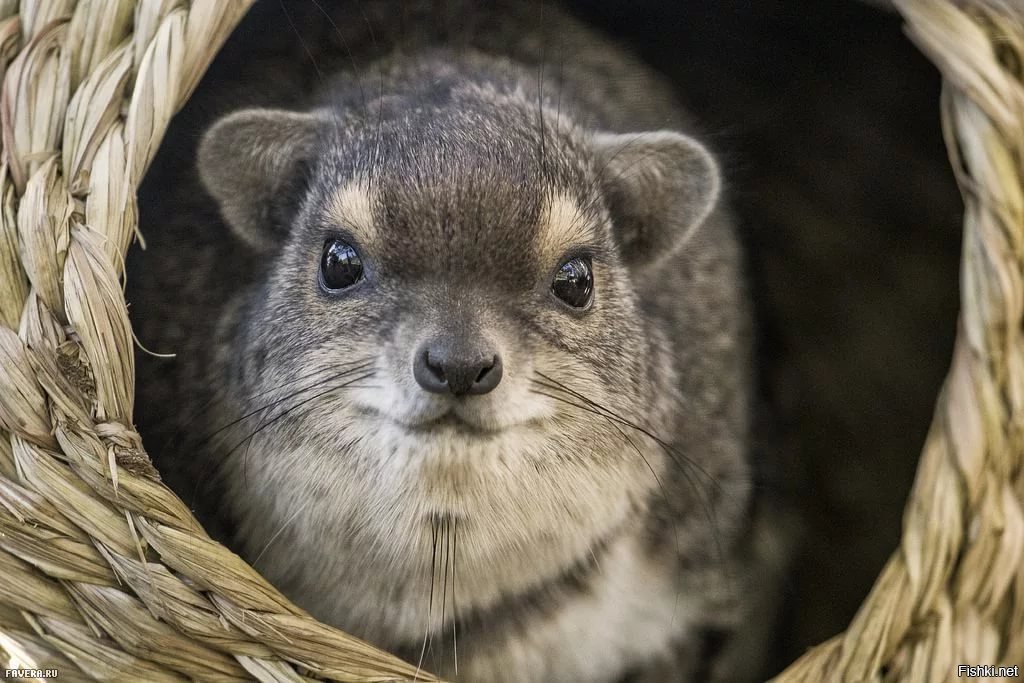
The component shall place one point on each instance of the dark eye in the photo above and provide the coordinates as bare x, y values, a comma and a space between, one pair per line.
340, 266
574, 282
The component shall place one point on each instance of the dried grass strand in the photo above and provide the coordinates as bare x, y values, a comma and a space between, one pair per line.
103, 571
951, 594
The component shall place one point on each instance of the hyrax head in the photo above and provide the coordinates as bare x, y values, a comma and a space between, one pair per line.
452, 292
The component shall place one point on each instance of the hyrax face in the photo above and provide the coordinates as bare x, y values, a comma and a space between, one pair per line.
449, 331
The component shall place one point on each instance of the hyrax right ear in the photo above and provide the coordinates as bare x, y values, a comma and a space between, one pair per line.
660, 187
250, 161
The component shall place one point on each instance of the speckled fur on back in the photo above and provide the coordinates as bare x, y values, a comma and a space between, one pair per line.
592, 517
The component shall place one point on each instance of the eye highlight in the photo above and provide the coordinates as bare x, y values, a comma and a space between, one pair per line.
574, 282
341, 266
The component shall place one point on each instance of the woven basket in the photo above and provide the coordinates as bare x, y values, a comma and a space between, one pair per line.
105, 574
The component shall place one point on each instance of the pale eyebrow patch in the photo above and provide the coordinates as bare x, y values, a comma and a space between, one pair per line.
351, 207
563, 225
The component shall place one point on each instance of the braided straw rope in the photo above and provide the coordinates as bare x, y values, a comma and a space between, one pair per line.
105, 574
953, 593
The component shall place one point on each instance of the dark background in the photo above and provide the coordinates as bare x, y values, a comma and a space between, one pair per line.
828, 119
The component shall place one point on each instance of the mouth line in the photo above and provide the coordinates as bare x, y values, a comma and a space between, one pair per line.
448, 420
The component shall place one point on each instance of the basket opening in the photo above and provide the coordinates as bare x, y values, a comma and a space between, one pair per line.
851, 222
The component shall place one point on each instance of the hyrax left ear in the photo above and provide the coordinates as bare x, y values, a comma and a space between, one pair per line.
252, 162
660, 187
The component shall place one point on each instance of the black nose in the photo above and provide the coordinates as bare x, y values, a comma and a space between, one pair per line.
442, 366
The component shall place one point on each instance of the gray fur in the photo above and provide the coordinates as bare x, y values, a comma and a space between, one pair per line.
565, 545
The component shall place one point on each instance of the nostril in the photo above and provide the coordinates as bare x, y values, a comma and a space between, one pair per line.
483, 373
488, 377
429, 372
433, 366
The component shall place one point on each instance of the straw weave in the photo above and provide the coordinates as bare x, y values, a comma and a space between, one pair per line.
105, 574
953, 593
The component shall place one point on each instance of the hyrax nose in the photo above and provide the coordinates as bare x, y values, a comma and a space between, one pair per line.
444, 365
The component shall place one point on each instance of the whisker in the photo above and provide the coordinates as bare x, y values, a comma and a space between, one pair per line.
446, 553
554, 384
376, 165
359, 365
430, 600
345, 46
455, 604
202, 410
356, 368
706, 503
286, 412
665, 446
208, 462
542, 147
248, 445
277, 533
664, 493
302, 41
259, 426
289, 411
667, 449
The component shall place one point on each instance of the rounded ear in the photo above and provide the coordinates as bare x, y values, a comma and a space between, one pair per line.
660, 187
252, 163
